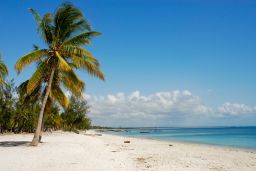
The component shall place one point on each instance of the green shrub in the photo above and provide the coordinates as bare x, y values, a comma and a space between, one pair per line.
75, 116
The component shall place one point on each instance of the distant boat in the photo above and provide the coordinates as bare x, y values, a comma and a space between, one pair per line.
144, 132
116, 130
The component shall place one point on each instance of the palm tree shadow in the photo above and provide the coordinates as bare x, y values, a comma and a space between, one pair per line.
14, 143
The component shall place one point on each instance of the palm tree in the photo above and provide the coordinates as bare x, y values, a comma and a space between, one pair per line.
64, 32
3, 71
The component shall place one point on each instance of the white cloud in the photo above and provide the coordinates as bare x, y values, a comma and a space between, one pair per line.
173, 107
236, 109
161, 102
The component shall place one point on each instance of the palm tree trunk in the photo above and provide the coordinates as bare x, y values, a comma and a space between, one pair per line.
35, 140
42, 129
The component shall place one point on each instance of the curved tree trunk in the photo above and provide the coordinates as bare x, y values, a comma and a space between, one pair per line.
35, 140
42, 129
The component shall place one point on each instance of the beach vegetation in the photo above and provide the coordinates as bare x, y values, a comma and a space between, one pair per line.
75, 117
19, 112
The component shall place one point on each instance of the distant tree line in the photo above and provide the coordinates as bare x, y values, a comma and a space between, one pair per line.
19, 112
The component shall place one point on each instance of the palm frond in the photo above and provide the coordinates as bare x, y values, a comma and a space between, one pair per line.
71, 50
89, 64
63, 65
36, 78
37, 16
82, 39
29, 58
72, 82
68, 19
83, 59
3, 71
35, 47
33, 96
59, 95
44, 25
22, 88
46, 28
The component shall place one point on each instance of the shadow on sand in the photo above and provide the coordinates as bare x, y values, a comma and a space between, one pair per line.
14, 143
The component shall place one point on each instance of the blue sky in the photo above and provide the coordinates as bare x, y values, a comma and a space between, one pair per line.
205, 47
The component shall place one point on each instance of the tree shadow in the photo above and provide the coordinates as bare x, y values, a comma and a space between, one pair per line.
14, 143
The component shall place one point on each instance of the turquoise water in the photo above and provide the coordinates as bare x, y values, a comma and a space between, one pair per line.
241, 137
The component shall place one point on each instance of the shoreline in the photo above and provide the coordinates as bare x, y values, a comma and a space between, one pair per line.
90, 151
95, 132
187, 142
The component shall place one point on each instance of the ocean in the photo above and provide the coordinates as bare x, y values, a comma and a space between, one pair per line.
240, 137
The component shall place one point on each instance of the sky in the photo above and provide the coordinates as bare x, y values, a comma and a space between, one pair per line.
167, 62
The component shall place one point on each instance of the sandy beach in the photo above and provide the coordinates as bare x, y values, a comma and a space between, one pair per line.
87, 151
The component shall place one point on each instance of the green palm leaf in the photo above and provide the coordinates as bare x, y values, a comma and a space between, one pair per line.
70, 50
58, 94
89, 64
72, 82
33, 96
29, 58
43, 25
68, 20
37, 17
36, 78
63, 65
46, 29
82, 39
3, 67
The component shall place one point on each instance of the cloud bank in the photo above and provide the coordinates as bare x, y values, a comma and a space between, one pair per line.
173, 108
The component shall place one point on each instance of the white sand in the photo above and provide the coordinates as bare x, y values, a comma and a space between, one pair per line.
71, 152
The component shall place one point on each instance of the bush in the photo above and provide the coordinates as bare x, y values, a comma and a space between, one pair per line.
7, 111
75, 117
53, 120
